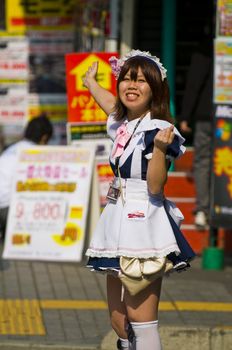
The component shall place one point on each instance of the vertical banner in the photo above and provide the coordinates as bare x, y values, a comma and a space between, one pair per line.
49, 28
49, 209
224, 18
221, 204
81, 105
221, 185
14, 74
223, 70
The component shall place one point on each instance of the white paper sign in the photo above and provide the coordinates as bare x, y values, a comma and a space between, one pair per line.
14, 106
14, 58
49, 208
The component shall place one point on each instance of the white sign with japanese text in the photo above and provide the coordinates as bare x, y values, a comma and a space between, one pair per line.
49, 208
14, 106
14, 58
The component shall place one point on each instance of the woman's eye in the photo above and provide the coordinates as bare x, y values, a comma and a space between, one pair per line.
141, 80
126, 78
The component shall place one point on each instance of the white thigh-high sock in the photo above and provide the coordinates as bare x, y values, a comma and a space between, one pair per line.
124, 344
146, 335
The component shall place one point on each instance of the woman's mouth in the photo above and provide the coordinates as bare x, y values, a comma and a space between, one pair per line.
131, 96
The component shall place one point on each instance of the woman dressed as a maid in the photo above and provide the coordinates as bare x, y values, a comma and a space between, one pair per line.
138, 221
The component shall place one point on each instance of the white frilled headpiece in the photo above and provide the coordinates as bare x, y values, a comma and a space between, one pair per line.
117, 63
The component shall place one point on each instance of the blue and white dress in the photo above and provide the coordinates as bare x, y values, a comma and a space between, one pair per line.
139, 224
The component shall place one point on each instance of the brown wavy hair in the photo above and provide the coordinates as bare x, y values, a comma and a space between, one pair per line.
160, 102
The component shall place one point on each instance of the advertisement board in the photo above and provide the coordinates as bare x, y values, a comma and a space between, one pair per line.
49, 208
23, 16
81, 105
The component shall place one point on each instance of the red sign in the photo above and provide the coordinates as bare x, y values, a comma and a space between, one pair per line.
105, 176
81, 105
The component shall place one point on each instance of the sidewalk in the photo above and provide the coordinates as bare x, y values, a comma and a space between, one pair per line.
62, 306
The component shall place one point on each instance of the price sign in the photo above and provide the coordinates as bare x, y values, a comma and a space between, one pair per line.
49, 208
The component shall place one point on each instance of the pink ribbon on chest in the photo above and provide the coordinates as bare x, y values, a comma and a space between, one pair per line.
122, 136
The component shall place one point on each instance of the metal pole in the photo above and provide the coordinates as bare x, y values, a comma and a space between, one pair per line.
127, 26
169, 45
112, 42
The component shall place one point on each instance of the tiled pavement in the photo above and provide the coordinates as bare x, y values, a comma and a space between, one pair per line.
62, 306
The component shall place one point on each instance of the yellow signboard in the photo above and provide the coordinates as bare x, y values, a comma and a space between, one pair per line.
104, 72
39, 15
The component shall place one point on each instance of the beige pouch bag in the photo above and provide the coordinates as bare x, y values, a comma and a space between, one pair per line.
136, 274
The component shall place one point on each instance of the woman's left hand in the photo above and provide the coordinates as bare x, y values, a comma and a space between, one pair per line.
164, 138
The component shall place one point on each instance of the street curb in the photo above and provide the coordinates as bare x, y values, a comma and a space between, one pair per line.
194, 338
9, 345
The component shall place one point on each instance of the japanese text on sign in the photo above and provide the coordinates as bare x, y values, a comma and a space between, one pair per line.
223, 165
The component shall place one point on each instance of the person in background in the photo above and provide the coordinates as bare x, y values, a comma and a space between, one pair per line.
197, 113
37, 132
137, 222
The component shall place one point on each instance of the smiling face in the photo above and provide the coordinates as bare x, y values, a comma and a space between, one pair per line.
135, 94
140, 89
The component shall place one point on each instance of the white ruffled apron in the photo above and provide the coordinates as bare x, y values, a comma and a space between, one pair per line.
138, 228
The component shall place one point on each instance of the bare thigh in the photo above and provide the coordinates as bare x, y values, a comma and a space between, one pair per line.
116, 307
143, 307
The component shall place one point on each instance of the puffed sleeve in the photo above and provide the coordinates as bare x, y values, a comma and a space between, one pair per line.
149, 142
175, 150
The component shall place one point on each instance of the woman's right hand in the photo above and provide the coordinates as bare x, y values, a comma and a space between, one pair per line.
90, 75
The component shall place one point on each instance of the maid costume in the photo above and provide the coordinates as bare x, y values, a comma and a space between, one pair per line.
138, 224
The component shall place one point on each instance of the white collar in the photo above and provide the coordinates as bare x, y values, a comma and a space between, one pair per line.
150, 124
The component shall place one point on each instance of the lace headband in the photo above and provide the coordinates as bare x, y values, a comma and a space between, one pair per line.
117, 63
